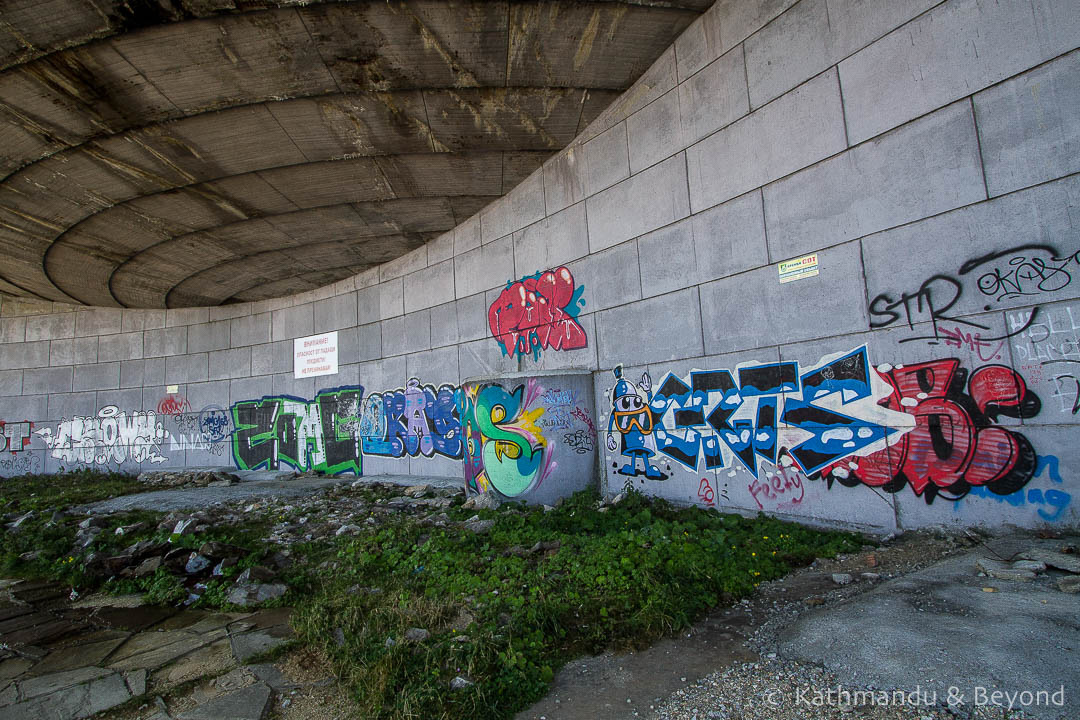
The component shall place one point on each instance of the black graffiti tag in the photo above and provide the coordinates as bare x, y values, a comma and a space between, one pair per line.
1022, 274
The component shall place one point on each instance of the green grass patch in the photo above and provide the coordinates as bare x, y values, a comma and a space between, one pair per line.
621, 578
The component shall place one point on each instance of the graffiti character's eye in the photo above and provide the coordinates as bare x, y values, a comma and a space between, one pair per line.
498, 414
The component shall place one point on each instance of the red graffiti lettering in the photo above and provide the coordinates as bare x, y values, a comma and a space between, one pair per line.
173, 405
537, 313
955, 444
782, 485
705, 493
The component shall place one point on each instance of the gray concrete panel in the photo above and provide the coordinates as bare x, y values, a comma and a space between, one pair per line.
98, 321
34, 408
135, 320
802, 127
430, 286
251, 388
13, 330
666, 259
927, 167
153, 371
393, 336
68, 405
667, 327
715, 97
815, 34
434, 367
186, 368
482, 358
24, 355
293, 322
131, 374
700, 43
50, 327
736, 311
407, 263
208, 336
954, 50
578, 359
467, 235
564, 184
250, 329
286, 384
103, 376
441, 248
367, 304
521, 206
348, 348
554, 241
369, 344
609, 278
228, 312
391, 298
125, 346
11, 382
164, 342
417, 329
730, 238
229, 364
606, 159
46, 381
485, 267
384, 374
472, 315
444, 325
649, 200
174, 317
1029, 127
75, 351
995, 237
335, 313
655, 132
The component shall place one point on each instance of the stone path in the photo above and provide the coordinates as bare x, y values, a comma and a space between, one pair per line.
62, 659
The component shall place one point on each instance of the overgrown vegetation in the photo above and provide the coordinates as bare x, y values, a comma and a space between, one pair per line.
503, 608
505, 614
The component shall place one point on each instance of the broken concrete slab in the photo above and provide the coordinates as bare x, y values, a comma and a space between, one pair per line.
871, 640
1053, 558
255, 642
1003, 570
250, 703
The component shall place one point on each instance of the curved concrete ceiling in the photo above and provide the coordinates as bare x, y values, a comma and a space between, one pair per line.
172, 153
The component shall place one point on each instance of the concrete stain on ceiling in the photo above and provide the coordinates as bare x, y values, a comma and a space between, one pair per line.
174, 153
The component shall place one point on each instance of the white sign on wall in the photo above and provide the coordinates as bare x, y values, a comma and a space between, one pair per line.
315, 355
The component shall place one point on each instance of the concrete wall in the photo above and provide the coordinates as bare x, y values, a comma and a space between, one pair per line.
926, 152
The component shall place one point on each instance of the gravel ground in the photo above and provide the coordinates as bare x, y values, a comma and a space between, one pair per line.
773, 689
776, 689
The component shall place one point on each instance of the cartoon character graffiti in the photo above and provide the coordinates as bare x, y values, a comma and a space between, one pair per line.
505, 449
632, 417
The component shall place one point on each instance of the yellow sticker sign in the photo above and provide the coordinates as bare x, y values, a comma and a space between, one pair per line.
799, 268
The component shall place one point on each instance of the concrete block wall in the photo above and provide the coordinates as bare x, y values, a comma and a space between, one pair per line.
926, 152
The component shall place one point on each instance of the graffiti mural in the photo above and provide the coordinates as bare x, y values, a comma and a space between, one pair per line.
956, 444
711, 420
207, 430
333, 432
931, 426
505, 448
633, 417
322, 435
113, 436
417, 420
538, 313
15, 436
